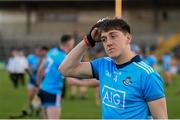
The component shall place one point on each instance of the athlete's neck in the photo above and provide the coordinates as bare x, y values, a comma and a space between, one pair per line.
125, 57
64, 49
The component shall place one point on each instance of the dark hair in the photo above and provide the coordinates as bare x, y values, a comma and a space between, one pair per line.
44, 48
115, 24
37, 47
65, 38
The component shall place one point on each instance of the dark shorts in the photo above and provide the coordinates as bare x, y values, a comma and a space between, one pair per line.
49, 100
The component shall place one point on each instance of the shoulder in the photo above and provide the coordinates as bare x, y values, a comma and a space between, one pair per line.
52, 52
107, 59
30, 56
56, 51
102, 63
62, 53
153, 57
103, 59
146, 73
143, 68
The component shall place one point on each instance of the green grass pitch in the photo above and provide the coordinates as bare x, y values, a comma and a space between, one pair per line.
12, 101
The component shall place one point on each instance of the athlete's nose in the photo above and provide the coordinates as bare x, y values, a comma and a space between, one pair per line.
109, 42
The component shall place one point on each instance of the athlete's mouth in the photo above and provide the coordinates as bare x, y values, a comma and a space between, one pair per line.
110, 50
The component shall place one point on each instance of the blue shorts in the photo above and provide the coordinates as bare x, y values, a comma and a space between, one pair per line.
32, 82
49, 99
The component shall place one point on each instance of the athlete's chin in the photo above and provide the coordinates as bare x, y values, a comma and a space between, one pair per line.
113, 56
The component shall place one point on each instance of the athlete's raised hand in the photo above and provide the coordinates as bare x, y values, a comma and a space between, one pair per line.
94, 34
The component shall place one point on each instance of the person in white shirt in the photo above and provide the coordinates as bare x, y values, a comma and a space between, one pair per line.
21, 66
10, 67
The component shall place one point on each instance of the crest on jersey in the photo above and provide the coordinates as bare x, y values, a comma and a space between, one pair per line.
127, 81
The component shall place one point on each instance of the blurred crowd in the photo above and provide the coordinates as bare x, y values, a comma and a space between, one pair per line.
166, 64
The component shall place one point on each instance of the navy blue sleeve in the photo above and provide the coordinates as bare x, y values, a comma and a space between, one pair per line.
95, 65
153, 87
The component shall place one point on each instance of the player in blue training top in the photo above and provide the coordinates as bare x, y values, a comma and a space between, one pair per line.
167, 59
33, 61
52, 84
129, 88
150, 59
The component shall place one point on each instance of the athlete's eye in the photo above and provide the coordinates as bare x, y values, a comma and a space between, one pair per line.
103, 39
113, 36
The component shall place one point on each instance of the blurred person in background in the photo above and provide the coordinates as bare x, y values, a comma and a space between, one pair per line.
33, 63
166, 60
11, 68
36, 103
50, 91
174, 68
52, 84
41, 68
21, 67
135, 48
150, 59
17, 66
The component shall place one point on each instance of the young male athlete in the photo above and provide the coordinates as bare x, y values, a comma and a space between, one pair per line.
52, 84
41, 68
51, 87
129, 88
33, 62
167, 59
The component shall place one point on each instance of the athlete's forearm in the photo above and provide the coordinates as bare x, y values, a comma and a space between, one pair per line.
73, 59
40, 72
29, 71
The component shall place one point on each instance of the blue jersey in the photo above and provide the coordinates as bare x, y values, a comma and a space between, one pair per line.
125, 89
53, 80
150, 60
33, 61
167, 62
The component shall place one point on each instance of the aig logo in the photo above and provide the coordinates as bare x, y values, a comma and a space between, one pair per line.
113, 98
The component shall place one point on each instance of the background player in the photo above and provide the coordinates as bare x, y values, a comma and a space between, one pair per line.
51, 87
33, 61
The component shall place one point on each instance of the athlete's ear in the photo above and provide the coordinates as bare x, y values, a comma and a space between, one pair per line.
129, 38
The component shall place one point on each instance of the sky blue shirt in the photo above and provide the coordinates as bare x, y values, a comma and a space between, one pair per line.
33, 61
167, 62
53, 80
125, 89
150, 60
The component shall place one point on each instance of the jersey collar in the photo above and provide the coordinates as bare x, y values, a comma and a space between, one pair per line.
61, 50
134, 59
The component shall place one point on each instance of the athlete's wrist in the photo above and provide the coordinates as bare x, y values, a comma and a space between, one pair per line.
90, 39
85, 40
